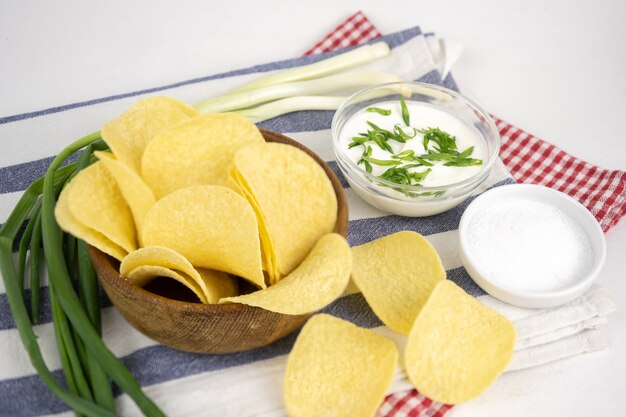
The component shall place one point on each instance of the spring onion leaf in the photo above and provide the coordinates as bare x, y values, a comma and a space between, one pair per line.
381, 162
356, 57
245, 99
405, 112
382, 112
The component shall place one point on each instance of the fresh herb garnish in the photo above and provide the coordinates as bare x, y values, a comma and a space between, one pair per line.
440, 146
383, 112
402, 175
381, 162
445, 142
405, 112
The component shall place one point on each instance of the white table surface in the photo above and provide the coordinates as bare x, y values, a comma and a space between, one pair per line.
554, 68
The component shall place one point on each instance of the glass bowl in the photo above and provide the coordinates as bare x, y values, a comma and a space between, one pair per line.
413, 200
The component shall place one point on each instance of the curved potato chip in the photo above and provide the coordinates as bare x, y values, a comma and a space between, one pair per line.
95, 200
212, 226
294, 196
198, 151
268, 256
71, 225
218, 284
128, 135
212, 284
143, 274
338, 369
396, 274
315, 283
457, 346
137, 194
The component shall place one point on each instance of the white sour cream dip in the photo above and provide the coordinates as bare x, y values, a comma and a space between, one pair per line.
421, 116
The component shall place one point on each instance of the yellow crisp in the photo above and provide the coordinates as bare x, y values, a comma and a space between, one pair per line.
318, 281
268, 256
137, 194
396, 274
70, 224
218, 284
198, 151
338, 369
143, 274
212, 226
212, 285
128, 135
457, 346
295, 201
95, 201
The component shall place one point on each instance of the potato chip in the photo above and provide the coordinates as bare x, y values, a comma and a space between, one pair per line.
198, 151
457, 346
137, 194
213, 285
294, 197
218, 284
70, 224
128, 135
315, 283
268, 256
95, 201
396, 274
157, 255
338, 369
142, 275
212, 226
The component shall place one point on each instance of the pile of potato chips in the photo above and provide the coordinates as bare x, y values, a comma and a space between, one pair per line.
205, 201
456, 346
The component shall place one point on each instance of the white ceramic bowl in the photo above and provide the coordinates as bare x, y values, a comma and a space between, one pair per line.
526, 192
410, 200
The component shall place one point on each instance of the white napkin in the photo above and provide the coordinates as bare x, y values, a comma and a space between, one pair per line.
547, 335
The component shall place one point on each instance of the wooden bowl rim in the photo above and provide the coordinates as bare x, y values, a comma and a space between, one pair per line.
104, 264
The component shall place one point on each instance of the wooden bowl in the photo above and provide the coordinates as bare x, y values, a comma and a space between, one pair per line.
206, 328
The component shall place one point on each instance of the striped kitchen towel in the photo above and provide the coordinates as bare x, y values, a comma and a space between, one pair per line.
186, 384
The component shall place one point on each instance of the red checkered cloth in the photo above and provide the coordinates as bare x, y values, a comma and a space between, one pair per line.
354, 31
530, 160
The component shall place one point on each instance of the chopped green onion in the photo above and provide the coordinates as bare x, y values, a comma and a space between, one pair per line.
382, 112
405, 112
381, 162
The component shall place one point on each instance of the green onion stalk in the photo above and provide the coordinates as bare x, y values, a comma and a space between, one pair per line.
89, 367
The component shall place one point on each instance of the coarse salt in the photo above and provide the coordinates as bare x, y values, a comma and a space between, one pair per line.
529, 246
